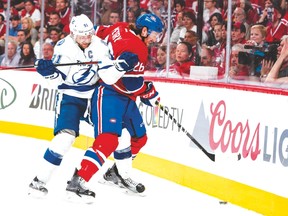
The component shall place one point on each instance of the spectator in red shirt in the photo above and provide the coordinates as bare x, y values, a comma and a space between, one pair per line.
3, 9
240, 16
219, 48
2, 27
64, 10
49, 7
183, 59
238, 71
278, 25
31, 11
252, 13
238, 33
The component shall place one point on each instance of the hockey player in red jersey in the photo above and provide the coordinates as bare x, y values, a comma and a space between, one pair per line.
114, 106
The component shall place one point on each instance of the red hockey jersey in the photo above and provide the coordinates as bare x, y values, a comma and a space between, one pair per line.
121, 39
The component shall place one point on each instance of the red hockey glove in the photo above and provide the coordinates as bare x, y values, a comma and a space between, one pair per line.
150, 96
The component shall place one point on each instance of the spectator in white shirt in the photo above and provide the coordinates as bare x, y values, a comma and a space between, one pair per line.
12, 55
31, 11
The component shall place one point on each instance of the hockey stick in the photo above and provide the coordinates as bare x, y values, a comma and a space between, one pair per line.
56, 65
208, 154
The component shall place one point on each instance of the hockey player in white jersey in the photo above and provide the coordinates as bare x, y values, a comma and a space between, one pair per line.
75, 85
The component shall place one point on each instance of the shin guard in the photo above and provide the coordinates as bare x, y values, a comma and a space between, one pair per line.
95, 157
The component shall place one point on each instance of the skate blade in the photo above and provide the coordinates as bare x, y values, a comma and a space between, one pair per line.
121, 187
36, 194
74, 198
132, 193
109, 183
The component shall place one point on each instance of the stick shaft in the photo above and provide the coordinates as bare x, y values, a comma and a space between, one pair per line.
208, 154
56, 65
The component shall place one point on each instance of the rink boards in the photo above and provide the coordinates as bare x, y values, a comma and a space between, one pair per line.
225, 119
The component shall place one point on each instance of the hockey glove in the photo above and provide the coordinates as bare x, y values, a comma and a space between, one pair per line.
46, 68
126, 62
150, 96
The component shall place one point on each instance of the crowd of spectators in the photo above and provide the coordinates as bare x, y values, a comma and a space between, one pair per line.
25, 31
256, 32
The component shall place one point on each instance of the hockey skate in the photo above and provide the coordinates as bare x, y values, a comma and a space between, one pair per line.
37, 188
77, 190
113, 177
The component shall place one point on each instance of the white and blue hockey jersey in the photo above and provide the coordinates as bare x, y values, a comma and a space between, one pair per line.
78, 80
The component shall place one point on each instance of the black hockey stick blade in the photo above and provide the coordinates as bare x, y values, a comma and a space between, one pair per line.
208, 154
211, 156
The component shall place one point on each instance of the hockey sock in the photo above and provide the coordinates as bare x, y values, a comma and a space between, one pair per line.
94, 157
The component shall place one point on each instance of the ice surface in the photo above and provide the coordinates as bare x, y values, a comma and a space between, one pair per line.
20, 157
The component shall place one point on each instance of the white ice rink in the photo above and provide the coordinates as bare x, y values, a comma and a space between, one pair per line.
20, 158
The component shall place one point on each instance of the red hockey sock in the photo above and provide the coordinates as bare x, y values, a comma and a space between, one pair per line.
94, 157
137, 144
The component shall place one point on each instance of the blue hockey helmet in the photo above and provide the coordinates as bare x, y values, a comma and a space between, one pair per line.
151, 21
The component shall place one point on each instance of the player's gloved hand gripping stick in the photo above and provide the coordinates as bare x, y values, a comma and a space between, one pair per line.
46, 68
150, 96
126, 62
